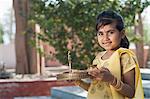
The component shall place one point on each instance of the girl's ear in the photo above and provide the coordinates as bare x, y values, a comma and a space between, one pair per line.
123, 34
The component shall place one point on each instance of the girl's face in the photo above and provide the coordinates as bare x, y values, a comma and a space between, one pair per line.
109, 37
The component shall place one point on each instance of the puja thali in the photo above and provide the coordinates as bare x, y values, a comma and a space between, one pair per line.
82, 74
72, 75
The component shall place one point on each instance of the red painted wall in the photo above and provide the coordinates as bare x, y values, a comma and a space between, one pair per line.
8, 90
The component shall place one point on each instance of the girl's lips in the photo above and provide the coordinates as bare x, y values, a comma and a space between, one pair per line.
107, 43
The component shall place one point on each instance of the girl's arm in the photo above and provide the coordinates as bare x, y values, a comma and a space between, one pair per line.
128, 86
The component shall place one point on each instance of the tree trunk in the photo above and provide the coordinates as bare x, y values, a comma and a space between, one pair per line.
26, 56
140, 44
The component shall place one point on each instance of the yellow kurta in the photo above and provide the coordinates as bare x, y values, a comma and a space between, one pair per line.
102, 90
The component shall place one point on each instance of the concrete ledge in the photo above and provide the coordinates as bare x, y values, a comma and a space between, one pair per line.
35, 97
69, 92
146, 86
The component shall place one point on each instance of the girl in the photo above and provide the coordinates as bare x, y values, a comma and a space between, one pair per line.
115, 74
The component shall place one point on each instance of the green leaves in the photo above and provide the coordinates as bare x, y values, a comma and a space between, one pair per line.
1, 34
64, 20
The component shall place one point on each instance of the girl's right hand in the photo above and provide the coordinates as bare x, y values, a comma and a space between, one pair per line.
102, 74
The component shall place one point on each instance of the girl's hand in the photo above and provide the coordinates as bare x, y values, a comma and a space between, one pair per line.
102, 74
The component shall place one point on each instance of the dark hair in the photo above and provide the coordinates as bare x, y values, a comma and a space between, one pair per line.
108, 17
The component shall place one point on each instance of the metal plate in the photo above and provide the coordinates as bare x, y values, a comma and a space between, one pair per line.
73, 75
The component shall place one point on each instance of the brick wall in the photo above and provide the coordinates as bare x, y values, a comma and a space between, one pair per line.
8, 90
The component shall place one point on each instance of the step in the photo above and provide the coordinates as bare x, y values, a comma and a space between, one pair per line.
146, 86
35, 97
68, 92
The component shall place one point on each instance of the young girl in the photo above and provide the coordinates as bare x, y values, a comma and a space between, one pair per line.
116, 73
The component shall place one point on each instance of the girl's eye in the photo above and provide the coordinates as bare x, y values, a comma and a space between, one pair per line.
99, 33
111, 32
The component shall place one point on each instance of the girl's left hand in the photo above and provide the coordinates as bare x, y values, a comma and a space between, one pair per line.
102, 74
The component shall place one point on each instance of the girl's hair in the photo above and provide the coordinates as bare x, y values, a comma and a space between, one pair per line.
108, 17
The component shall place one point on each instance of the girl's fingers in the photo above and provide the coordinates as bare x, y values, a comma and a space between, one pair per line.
98, 72
105, 69
95, 72
93, 66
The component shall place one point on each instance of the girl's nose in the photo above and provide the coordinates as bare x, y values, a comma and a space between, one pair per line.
106, 37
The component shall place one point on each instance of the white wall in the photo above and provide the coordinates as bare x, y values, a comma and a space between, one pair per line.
7, 55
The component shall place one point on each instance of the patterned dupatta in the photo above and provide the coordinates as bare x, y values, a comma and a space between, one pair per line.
115, 61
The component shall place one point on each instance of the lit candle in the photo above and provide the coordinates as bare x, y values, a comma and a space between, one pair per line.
69, 61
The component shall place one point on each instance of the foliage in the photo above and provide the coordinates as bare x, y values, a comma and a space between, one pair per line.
64, 20
1, 34
146, 34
